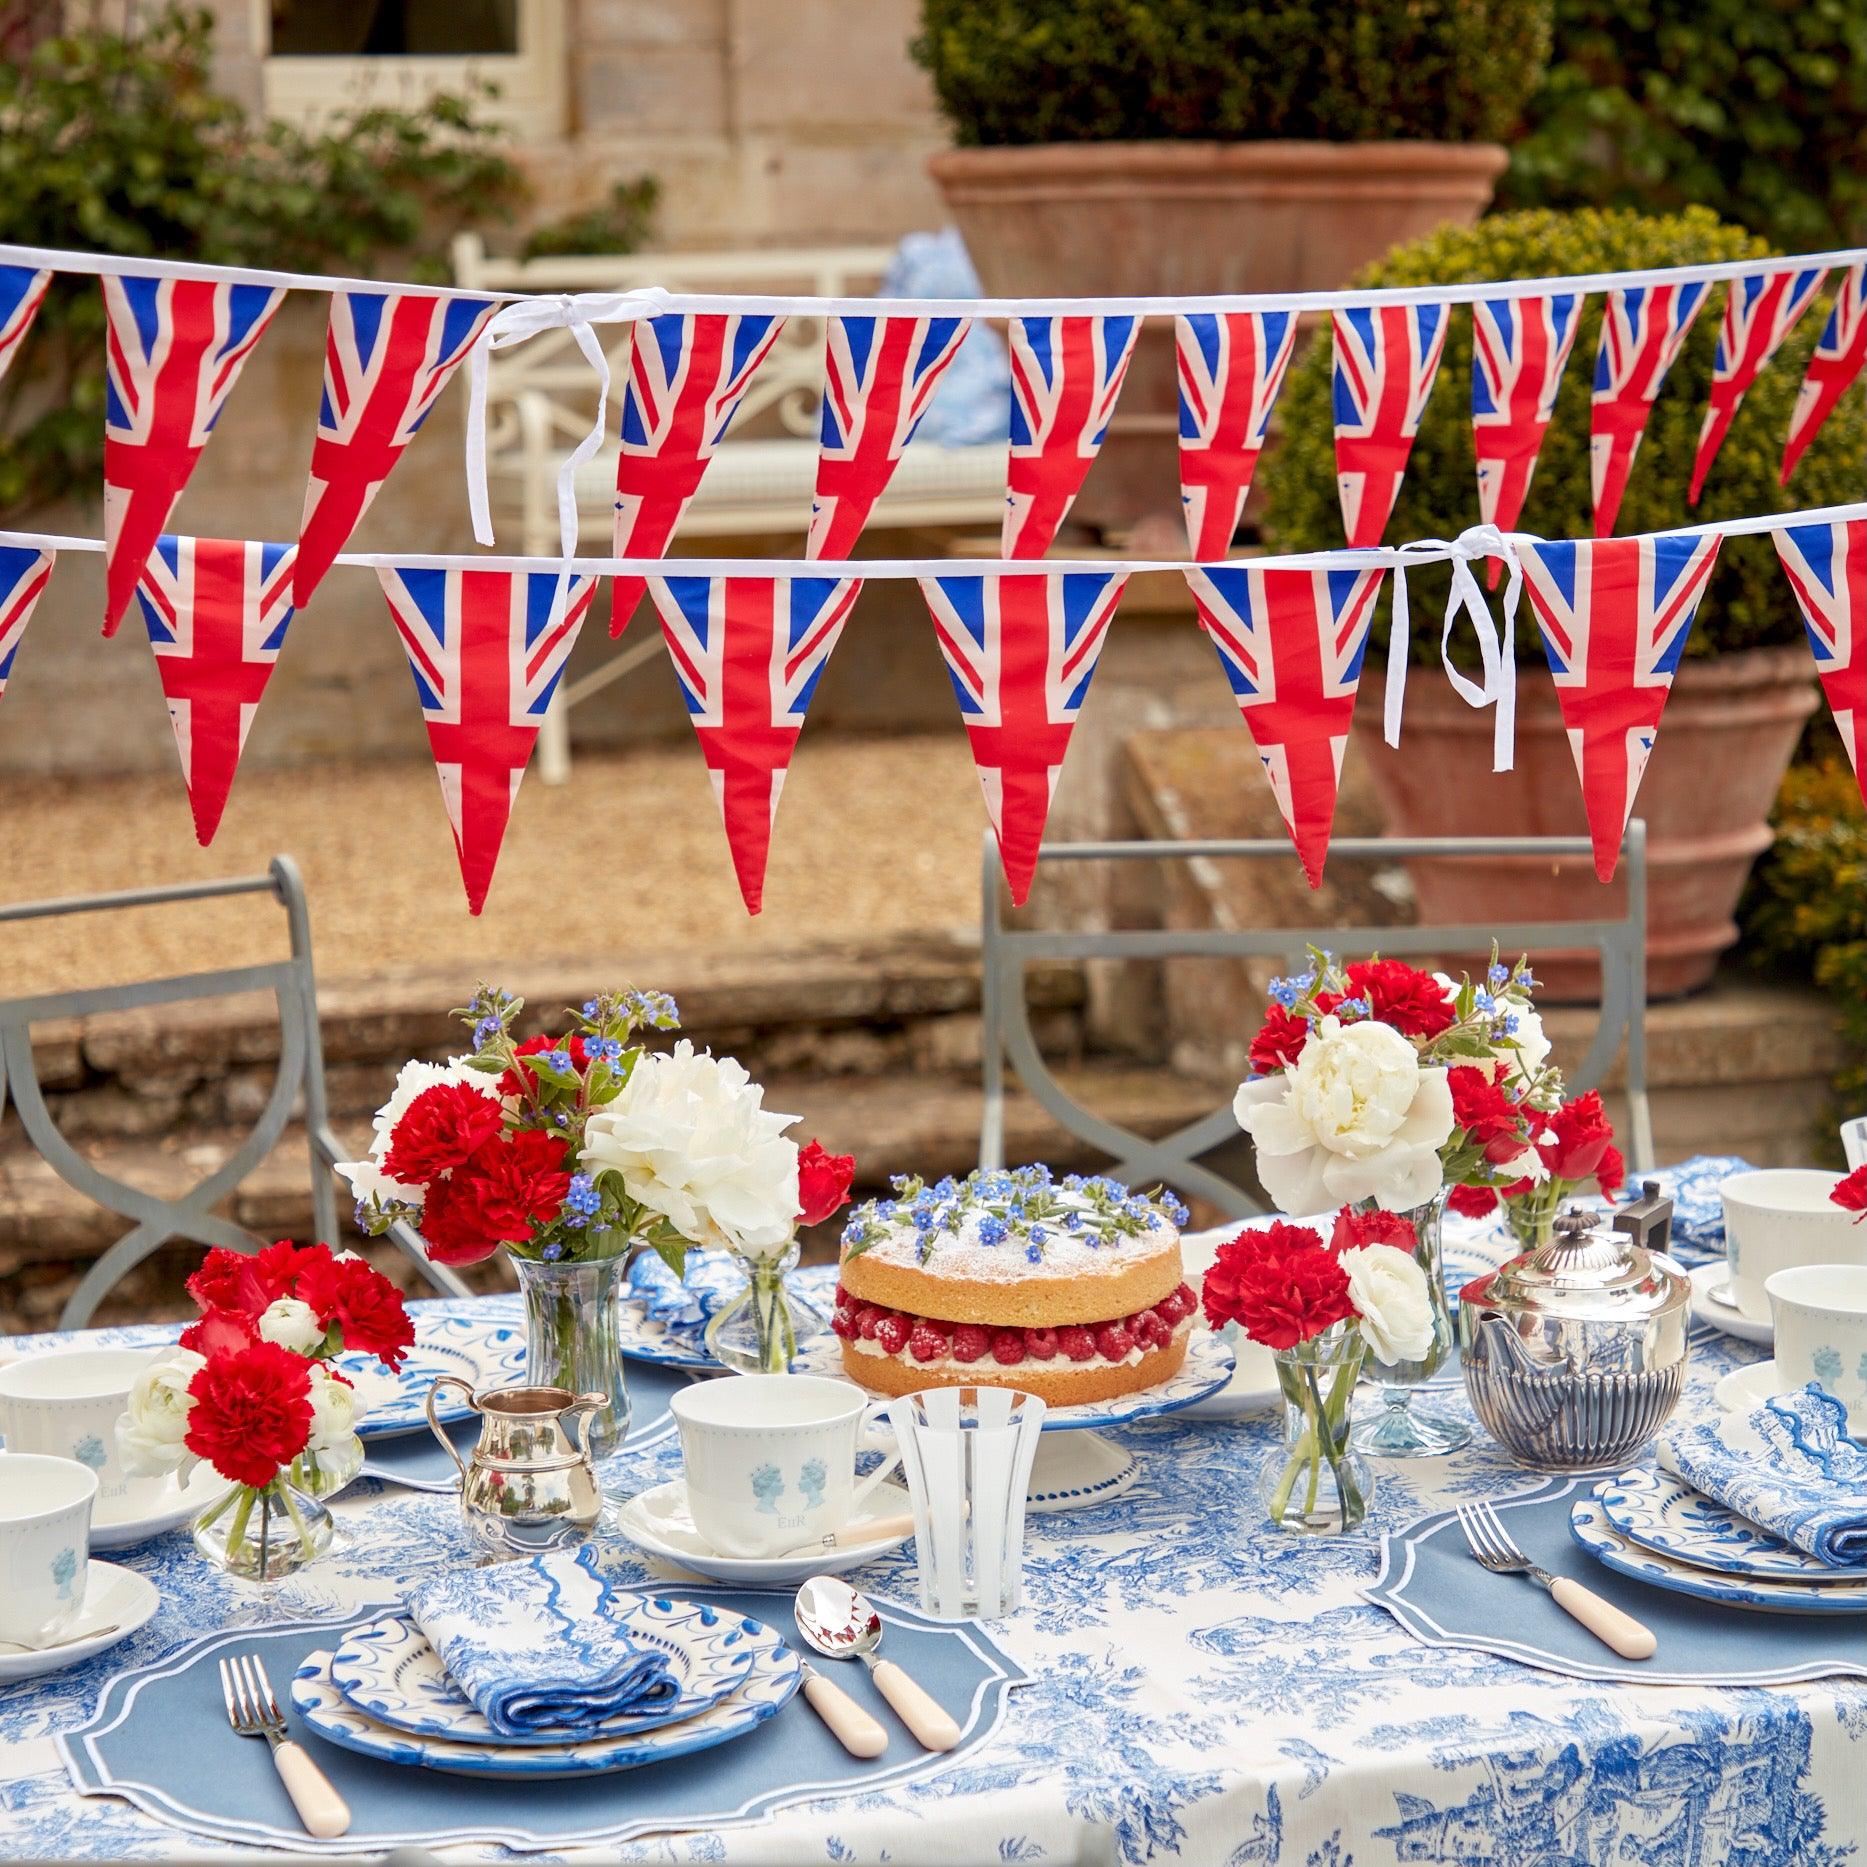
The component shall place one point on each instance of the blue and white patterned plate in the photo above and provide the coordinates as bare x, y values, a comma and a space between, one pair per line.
389, 1670
1663, 1513
480, 1353
774, 1678
1589, 1526
644, 1339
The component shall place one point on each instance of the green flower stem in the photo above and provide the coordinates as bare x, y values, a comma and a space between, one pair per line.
777, 1340
236, 1536
296, 1515
1321, 1438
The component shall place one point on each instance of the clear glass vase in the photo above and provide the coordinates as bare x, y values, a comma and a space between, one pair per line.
1312, 1482
762, 1328
573, 1338
322, 1473
263, 1532
1402, 1423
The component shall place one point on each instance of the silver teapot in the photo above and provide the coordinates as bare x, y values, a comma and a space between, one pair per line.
1574, 1353
530, 1485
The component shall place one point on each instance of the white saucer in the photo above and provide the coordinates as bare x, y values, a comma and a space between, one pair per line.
657, 1522
112, 1597
113, 1526
1707, 1307
1745, 1388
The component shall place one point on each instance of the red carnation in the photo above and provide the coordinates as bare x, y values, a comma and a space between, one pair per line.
521, 1079
365, 1306
1279, 1285
437, 1132
451, 1227
1492, 1122
248, 1281
823, 1182
512, 1183
1580, 1135
1612, 1173
221, 1332
1472, 1202
1413, 1002
251, 1413
1851, 1194
1279, 1042
1356, 1229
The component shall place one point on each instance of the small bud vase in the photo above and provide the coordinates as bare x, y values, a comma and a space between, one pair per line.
573, 1337
760, 1330
1312, 1483
264, 1532
323, 1472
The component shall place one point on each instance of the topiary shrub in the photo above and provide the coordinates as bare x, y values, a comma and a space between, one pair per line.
1750, 603
1081, 71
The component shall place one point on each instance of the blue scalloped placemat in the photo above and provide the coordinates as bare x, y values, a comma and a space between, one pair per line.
160, 1738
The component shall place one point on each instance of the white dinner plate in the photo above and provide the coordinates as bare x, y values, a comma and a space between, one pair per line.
470, 1348
1664, 1513
121, 1525
113, 1597
1706, 1281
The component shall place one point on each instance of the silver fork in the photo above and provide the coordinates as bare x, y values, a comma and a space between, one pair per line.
254, 1712
1495, 1550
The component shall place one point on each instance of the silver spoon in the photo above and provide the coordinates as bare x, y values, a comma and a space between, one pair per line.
842, 1624
64, 1640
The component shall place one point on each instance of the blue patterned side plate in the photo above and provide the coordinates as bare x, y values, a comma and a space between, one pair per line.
769, 1685
390, 1671
1661, 1512
473, 1350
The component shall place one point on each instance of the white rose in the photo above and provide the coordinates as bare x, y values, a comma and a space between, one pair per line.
154, 1421
333, 1409
1356, 1117
292, 1325
689, 1137
1388, 1287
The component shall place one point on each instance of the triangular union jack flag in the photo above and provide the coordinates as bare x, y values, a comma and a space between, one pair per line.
1386, 357
22, 292
1615, 615
879, 374
173, 348
1827, 569
688, 373
1760, 310
1065, 376
1643, 329
1231, 366
217, 610
1291, 643
387, 357
1519, 348
1833, 365
486, 648
1021, 648
24, 571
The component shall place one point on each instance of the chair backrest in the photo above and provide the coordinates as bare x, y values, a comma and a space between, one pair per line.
1174, 1158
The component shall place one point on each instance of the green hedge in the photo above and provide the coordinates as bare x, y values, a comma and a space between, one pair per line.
1749, 603
1081, 71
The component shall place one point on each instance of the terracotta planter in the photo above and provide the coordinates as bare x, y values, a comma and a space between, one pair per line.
1159, 219
1729, 730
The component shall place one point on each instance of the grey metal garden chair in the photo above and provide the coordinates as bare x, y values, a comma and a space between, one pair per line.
299, 1086
1175, 1158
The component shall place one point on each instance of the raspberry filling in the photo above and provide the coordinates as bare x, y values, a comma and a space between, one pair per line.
922, 1339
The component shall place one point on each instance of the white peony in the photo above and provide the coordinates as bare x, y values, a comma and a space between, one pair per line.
416, 1077
292, 1325
1356, 1117
333, 1409
1388, 1287
689, 1137
151, 1428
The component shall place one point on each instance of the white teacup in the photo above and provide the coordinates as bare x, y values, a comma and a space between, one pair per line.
65, 1405
45, 1543
1778, 1218
770, 1459
1821, 1334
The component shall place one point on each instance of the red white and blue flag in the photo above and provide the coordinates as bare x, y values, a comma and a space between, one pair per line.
217, 610
24, 571
879, 375
688, 373
749, 652
1643, 329
1519, 349
1291, 643
1021, 648
173, 348
1615, 615
1386, 357
1833, 365
22, 292
1827, 569
1231, 366
1760, 310
486, 648
1065, 376
387, 357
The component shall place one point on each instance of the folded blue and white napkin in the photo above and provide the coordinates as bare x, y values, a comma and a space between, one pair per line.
684, 1305
538, 1645
1788, 1466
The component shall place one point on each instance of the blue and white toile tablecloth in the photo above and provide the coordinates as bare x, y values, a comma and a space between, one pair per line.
1202, 1689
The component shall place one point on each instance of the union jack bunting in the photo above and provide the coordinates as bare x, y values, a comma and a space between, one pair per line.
687, 377
1386, 357
879, 375
1760, 310
24, 571
1643, 330
1833, 365
173, 348
1291, 643
22, 292
1827, 569
1615, 615
1231, 365
749, 652
217, 610
387, 357
1519, 349
1021, 648
1065, 376
486, 648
